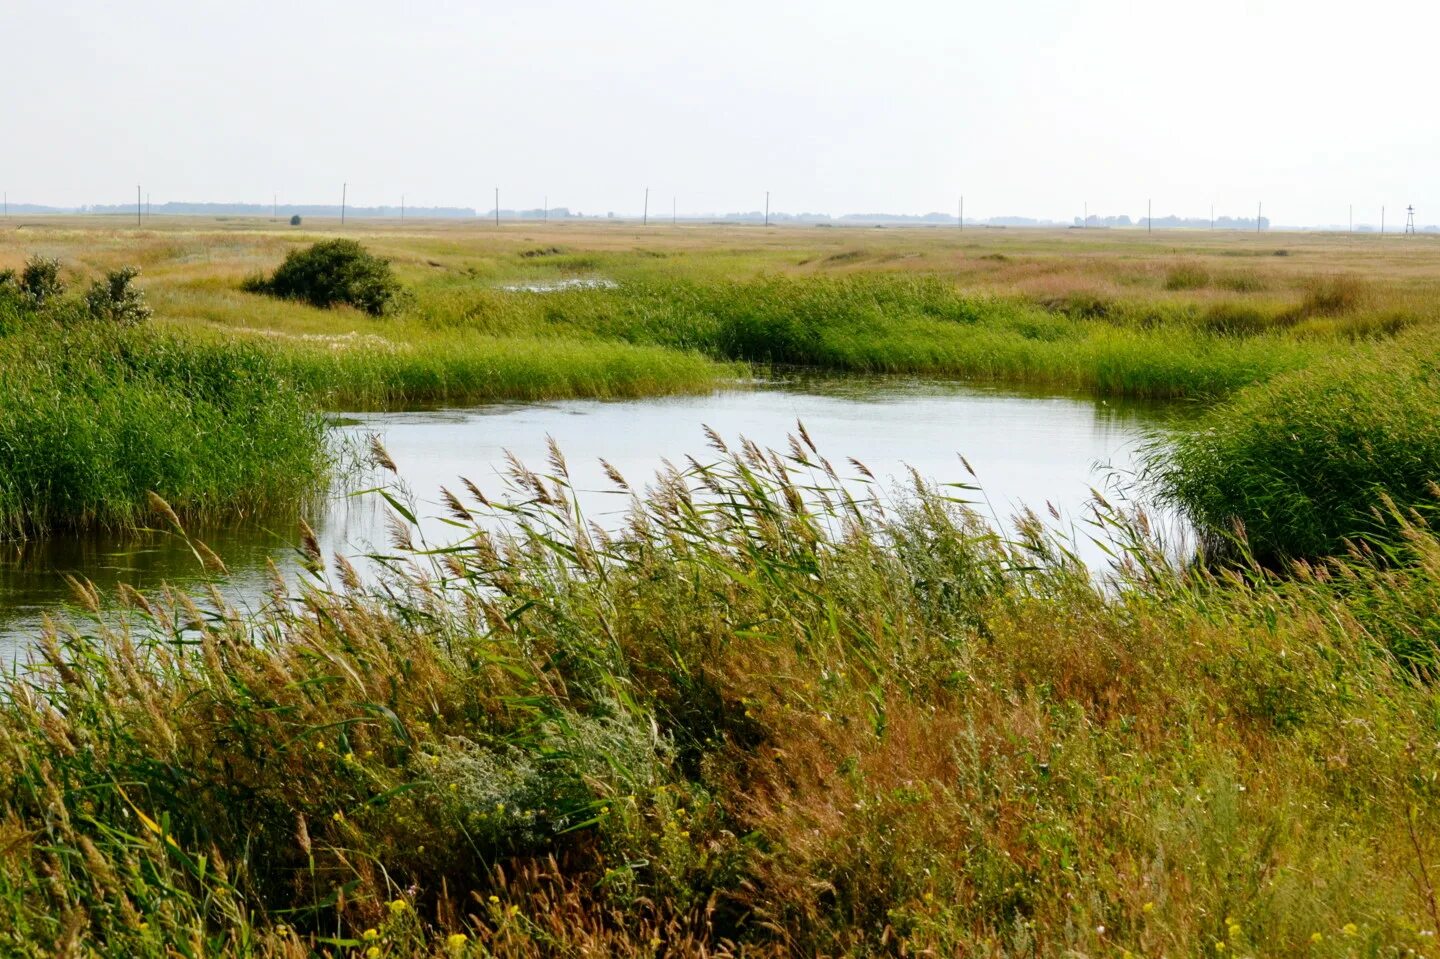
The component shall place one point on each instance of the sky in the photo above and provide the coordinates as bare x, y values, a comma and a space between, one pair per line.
1027, 107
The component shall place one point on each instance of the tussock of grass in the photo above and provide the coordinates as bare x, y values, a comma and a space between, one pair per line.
1302, 463
771, 718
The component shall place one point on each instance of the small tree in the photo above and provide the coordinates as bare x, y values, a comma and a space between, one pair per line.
114, 299
334, 271
40, 280
295, 220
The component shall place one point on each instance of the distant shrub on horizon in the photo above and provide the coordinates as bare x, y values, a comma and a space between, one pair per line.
331, 272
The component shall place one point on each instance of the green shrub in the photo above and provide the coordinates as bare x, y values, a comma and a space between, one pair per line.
331, 272
115, 300
40, 280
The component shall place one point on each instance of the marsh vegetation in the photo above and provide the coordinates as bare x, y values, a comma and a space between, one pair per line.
779, 709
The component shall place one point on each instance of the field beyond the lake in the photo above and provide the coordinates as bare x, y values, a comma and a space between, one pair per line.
780, 709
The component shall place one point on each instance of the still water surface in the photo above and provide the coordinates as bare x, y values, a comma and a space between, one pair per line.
1027, 449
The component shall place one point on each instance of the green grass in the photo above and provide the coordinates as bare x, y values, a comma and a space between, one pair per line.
902, 324
1304, 462
476, 368
93, 419
751, 724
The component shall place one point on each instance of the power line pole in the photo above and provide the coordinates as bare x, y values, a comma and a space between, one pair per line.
497, 206
1382, 221
645, 217
274, 207
1149, 219
1259, 208
344, 192
767, 207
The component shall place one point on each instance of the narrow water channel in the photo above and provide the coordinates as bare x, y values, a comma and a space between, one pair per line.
1027, 449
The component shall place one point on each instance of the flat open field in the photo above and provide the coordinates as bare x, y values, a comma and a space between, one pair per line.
774, 711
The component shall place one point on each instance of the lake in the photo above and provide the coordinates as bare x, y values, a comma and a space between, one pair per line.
1026, 449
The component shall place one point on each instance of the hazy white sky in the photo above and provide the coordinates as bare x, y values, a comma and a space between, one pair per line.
1028, 107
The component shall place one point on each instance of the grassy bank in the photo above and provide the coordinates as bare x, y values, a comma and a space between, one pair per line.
95, 418
884, 323
374, 373
749, 726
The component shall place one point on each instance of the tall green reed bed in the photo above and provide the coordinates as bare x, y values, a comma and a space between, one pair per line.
1313, 460
95, 417
393, 372
879, 322
776, 714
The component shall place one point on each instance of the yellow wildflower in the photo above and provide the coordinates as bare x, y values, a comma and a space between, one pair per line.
339, 816
1316, 938
1148, 908
370, 934
457, 941
373, 952
1234, 930
495, 899
398, 907
1350, 929
1219, 947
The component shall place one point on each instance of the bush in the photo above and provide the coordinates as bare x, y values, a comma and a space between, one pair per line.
114, 299
334, 271
40, 280
295, 220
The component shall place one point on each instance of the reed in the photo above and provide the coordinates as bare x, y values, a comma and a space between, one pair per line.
1314, 460
781, 713
95, 418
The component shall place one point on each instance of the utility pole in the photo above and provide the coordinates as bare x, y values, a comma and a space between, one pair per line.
1259, 208
767, 207
138, 208
344, 192
645, 217
1382, 221
274, 207
1149, 220
497, 206
962, 213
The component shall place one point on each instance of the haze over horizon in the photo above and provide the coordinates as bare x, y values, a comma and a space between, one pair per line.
1030, 110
